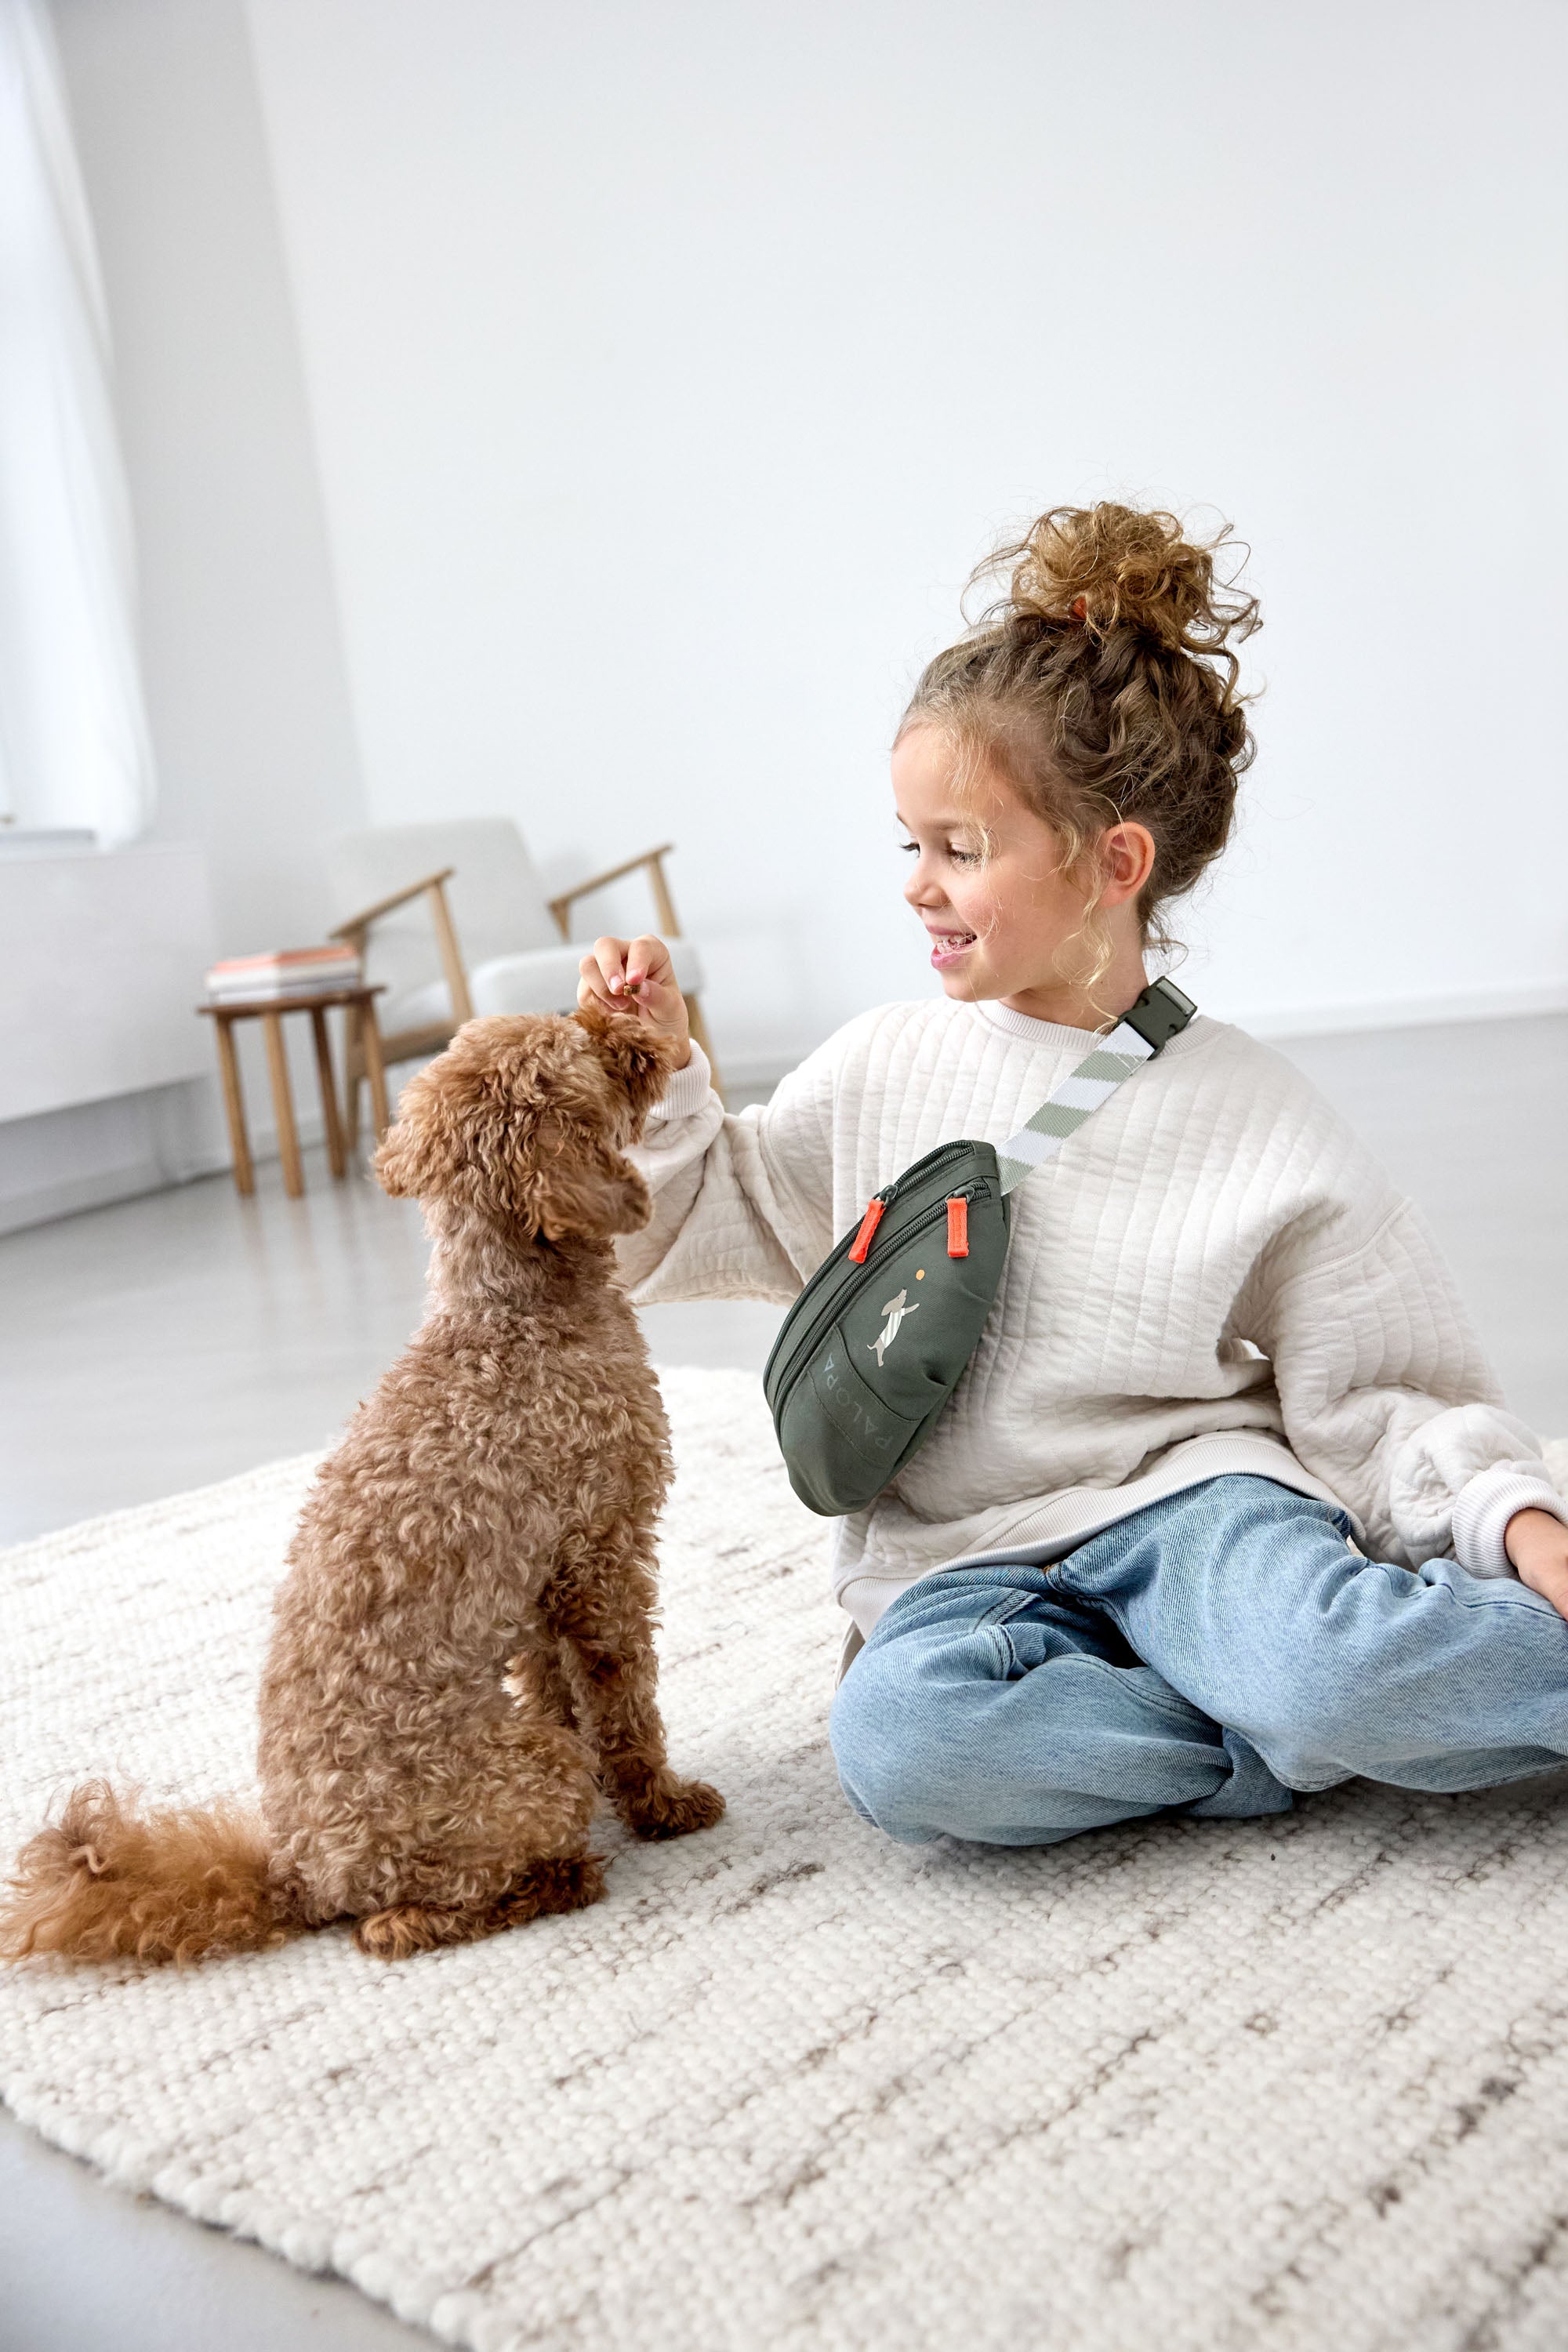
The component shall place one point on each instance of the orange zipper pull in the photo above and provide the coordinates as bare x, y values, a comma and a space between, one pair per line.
958, 1226
868, 1224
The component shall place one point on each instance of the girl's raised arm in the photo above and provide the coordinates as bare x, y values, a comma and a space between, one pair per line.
742, 1203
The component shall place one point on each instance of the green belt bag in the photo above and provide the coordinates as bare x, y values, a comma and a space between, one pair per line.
879, 1339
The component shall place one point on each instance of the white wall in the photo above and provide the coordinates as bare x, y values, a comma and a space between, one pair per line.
669, 365
247, 694
246, 686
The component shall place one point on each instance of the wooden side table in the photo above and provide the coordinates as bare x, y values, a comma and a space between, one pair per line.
359, 1004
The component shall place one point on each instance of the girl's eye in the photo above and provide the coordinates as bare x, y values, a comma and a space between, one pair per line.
959, 856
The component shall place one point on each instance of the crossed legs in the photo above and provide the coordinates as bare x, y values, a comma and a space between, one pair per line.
1211, 1653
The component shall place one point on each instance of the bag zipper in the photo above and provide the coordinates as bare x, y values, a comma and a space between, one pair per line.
803, 1349
831, 1264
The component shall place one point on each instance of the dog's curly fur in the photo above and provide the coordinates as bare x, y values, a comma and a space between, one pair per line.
462, 1647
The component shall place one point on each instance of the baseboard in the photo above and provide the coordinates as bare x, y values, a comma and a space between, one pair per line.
73, 1194
92, 1155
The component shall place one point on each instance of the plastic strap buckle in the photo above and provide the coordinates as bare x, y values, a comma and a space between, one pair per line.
1162, 1012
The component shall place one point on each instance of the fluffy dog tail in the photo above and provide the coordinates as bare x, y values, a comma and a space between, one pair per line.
110, 1881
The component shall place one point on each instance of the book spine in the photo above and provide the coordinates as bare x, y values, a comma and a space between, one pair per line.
269, 967
295, 984
290, 971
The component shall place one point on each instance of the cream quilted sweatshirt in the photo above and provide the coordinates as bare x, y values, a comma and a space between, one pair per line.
1213, 1275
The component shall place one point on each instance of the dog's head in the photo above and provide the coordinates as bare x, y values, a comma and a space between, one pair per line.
524, 1121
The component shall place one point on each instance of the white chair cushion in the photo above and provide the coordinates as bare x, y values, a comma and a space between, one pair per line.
515, 958
414, 1008
547, 981
496, 897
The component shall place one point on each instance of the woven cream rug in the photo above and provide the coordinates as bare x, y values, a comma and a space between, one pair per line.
1292, 2083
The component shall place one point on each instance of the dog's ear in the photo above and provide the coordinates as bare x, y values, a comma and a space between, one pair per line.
514, 1121
578, 1187
422, 1153
457, 1117
638, 1059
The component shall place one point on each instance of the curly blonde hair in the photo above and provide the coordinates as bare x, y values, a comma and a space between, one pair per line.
1103, 684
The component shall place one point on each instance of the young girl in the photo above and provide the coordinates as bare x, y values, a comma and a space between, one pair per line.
1227, 1504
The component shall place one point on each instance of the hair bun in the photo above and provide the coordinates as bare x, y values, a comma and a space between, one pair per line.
1109, 567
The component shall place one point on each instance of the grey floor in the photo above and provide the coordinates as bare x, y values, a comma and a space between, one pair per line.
172, 1341
184, 1337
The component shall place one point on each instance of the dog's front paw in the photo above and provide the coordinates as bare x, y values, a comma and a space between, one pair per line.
665, 1806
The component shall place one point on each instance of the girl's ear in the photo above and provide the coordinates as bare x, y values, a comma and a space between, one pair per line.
1127, 860
639, 1059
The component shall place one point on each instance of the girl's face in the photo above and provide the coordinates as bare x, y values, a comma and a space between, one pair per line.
988, 885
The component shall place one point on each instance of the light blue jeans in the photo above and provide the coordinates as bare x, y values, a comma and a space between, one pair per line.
1208, 1655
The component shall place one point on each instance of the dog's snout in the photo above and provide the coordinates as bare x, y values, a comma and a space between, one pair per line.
638, 1061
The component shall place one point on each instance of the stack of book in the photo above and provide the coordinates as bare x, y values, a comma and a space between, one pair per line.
290, 971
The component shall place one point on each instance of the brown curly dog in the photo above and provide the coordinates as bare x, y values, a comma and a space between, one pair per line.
462, 1646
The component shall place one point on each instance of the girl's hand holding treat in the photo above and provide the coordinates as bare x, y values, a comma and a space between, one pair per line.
637, 976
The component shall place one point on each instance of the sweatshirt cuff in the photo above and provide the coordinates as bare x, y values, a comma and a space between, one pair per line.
1485, 1506
687, 1089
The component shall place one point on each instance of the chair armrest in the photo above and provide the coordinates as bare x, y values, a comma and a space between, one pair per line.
451, 954
561, 907
368, 915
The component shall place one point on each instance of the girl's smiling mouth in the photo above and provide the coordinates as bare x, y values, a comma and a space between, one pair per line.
946, 947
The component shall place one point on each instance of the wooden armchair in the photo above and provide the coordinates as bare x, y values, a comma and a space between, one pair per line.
426, 1037
478, 871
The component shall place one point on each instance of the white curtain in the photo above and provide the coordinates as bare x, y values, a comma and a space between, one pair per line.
73, 736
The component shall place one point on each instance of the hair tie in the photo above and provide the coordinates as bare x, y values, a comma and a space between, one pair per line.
1080, 608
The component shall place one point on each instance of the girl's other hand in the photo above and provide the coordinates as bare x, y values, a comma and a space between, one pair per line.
1537, 1543
637, 976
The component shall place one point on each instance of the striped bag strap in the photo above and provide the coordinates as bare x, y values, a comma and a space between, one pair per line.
1160, 1014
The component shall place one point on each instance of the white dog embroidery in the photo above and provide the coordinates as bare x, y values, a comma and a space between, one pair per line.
895, 1311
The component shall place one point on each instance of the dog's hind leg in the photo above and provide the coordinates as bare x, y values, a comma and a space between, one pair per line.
569, 1882
404, 1928
510, 1796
